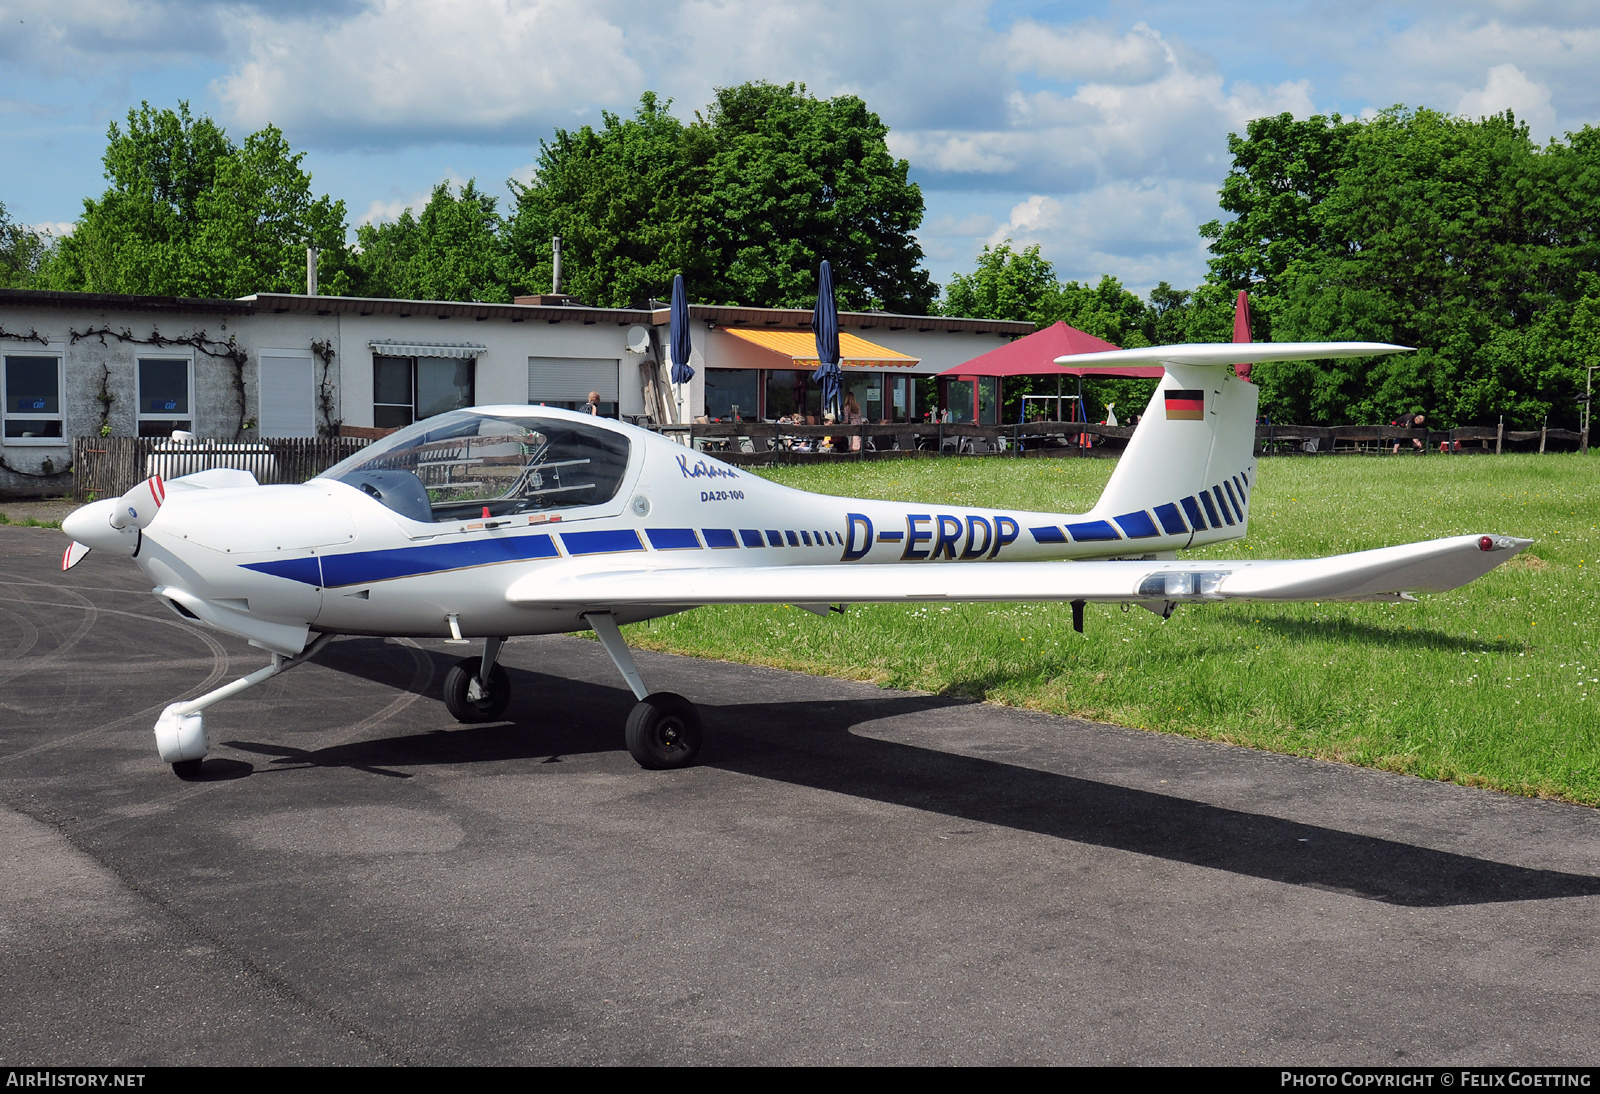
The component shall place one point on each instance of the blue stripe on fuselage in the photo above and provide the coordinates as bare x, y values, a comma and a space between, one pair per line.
303, 570
358, 567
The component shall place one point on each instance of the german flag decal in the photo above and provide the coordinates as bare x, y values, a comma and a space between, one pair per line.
1186, 406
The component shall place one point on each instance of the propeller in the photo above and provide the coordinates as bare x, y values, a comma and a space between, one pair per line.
108, 524
138, 507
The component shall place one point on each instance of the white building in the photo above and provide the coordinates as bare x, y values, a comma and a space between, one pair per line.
277, 365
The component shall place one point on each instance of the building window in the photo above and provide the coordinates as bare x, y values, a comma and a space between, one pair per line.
566, 382
959, 401
902, 395
988, 400
33, 383
166, 395
867, 391
731, 388
791, 392
286, 393
408, 389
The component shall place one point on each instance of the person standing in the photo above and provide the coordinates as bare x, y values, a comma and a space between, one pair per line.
593, 405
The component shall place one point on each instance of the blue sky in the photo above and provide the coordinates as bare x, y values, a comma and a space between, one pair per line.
1096, 130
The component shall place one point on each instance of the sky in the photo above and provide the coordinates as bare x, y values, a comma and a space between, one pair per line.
1097, 130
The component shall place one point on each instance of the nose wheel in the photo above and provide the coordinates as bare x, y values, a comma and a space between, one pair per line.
472, 698
664, 731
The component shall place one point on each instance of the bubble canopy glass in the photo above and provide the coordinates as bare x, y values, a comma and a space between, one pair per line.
467, 464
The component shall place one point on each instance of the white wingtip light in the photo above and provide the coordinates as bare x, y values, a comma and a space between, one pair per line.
138, 507
73, 555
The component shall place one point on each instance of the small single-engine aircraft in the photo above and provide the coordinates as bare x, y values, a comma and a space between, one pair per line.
515, 520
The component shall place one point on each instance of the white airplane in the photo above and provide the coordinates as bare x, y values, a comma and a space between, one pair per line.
515, 520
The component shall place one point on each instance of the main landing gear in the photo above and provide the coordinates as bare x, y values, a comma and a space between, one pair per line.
663, 731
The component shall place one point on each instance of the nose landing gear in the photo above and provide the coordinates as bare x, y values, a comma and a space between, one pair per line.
477, 689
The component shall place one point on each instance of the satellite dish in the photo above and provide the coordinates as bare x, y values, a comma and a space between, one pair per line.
638, 340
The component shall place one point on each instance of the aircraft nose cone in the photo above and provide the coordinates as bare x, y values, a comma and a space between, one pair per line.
90, 525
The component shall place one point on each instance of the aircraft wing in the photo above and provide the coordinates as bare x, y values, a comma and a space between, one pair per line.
1383, 574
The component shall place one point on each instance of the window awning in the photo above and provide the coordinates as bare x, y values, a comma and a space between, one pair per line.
798, 348
428, 349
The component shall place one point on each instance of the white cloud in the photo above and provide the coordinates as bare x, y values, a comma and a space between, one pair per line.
1508, 88
56, 228
1087, 52
1541, 70
387, 210
1172, 125
380, 211
430, 70
1141, 233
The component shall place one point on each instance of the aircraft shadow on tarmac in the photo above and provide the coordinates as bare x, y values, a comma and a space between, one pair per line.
811, 744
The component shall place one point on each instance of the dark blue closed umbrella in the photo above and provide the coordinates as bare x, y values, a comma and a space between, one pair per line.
679, 331
825, 325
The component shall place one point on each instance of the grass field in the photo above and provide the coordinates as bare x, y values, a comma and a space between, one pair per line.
1496, 684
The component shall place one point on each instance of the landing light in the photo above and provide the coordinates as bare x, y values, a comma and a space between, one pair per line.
1175, 583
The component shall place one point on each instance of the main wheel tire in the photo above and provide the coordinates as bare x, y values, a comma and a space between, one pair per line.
187, 769
664, 731
487, 709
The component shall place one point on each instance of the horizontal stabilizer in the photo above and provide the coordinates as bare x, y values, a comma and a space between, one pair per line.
1229, 353
1383, 574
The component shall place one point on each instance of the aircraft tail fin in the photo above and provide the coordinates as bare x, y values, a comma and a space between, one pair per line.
1191, 460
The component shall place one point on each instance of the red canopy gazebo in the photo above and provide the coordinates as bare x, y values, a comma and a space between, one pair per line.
1035, 355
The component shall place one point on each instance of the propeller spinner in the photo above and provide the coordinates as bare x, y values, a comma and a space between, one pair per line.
113, 525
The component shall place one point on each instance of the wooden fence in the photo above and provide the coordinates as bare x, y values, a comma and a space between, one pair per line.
106, 467
767, 442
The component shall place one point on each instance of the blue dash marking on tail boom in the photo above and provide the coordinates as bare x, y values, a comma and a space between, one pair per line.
1137, 525
601, 543
1171, 520
673, 539
1222, 503
1049, 534
1092, 530
719, 537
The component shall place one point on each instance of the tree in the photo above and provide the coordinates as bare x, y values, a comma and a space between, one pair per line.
22, 252
452, 252
745, 201
793, 180
189, 213
628, 202
1282, 171
1006, 285
1459, 237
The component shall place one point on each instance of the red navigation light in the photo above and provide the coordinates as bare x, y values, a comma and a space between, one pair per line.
1485, 544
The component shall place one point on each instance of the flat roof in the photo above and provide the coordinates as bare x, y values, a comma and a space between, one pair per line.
718, 315
442, 309
45, 298
727, 316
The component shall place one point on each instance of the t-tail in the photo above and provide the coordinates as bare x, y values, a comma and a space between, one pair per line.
1190, 467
